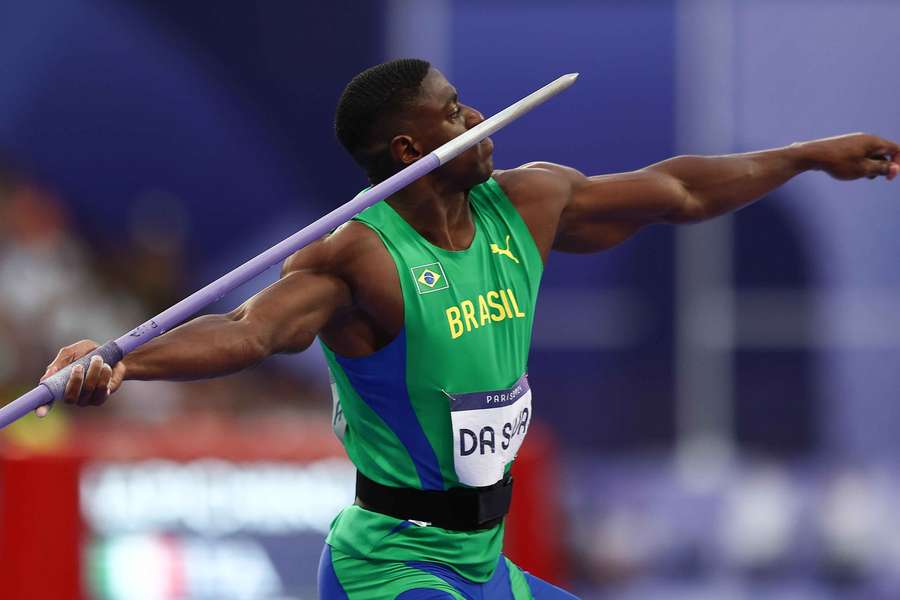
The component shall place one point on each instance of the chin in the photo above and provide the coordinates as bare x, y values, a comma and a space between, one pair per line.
486, 169
472, 173
482, 175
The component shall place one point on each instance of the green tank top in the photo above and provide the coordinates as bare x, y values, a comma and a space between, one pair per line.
447, 402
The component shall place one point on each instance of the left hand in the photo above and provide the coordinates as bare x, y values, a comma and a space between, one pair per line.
855, 156
84, 388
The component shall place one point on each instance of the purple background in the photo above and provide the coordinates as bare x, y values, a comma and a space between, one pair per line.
693, 352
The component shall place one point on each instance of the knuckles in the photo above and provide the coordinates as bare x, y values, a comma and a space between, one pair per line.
86, 384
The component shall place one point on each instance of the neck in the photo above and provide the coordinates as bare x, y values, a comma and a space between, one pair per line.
440, 216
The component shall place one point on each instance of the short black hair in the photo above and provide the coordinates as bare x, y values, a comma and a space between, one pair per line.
376, 94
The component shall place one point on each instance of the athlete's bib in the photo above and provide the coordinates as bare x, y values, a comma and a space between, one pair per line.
488, 428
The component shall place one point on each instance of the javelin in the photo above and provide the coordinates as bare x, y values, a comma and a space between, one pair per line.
52, 388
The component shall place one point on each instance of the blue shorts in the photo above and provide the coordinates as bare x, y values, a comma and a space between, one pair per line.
383, 580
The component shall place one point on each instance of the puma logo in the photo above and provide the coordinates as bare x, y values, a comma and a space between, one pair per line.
504, 251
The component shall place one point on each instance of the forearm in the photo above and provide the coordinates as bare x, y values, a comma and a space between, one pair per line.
207, 346
714, 185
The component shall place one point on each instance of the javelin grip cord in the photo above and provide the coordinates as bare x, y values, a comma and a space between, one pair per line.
52, 388
56, 383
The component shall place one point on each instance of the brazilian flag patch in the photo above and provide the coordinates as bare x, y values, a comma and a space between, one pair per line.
430, 278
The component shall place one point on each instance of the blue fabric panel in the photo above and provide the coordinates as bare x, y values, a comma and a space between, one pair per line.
380, 380
401, 526
541, 590
329, 586
499, 586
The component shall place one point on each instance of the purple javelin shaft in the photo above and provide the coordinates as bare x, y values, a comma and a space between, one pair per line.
52, 388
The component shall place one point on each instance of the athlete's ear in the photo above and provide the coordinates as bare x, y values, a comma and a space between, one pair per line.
405, 150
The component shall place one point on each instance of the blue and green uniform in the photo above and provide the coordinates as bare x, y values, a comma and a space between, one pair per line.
445, 404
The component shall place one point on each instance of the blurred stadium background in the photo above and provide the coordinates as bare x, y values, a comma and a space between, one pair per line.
718, 403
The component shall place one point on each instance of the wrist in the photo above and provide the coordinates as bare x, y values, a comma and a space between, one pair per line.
805, 156
131, 369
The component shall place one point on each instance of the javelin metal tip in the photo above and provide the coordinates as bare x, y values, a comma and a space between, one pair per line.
566, 80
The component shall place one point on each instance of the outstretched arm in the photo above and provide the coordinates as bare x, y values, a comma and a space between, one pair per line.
284, 317
604, 210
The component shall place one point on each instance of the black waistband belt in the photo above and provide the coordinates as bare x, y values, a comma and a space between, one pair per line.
459, 509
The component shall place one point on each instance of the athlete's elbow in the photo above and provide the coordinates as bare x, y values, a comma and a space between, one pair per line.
242, 349
689, 209
250, 343
292, 342
674, 201
685, 206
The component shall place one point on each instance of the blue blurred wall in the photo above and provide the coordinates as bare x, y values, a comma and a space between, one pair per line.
226, 107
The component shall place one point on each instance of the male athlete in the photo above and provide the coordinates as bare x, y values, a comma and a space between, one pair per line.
424, 304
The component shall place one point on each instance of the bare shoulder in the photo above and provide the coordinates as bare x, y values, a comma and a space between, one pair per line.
356, 256
540, 191
336, 252
538, 181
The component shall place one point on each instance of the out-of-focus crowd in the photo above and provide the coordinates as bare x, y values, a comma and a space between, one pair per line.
648, 529
59, 285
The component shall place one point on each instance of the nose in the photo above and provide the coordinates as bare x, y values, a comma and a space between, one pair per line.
473, 117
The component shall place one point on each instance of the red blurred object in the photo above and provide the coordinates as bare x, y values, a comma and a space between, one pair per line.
534, 528
40, 528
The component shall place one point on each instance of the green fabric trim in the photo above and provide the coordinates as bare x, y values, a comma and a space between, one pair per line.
517, 582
